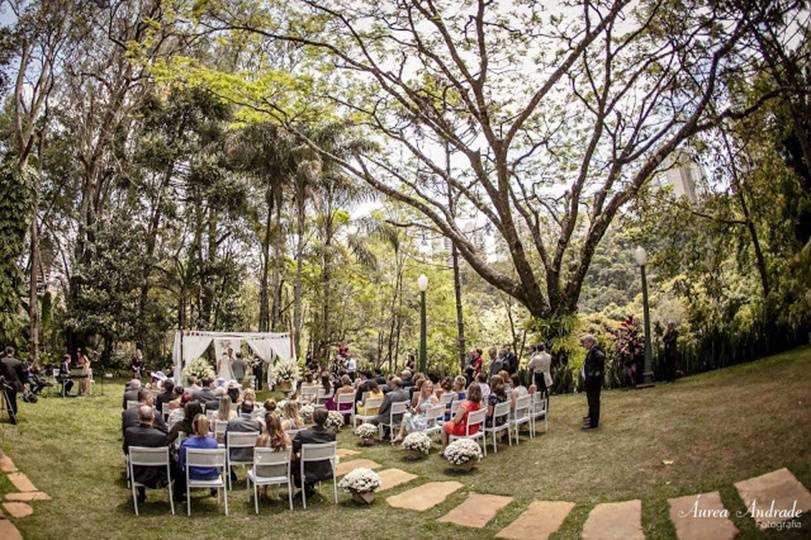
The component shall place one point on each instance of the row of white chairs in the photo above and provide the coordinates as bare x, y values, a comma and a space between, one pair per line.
140, 456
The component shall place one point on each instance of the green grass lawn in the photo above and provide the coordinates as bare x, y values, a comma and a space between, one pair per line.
717, 428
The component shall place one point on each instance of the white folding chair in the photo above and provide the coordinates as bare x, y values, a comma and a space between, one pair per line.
292, 432
446, 398
435, 418
318, 452
397, 409
500, 410
322, 395
520, 415
370, 403
538, 409
212, 417
455, 406
206, 457
267, 457
219, 429
308, 394
346, 398
141, 456
132, 404
476, 418
236, 440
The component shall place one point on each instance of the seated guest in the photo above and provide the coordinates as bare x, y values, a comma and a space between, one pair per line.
130, 393
201, 438
416, 419
178, 413
166, 396
314, 471
272, 437
413, 391
234, 394
291, 418
269, 405
177, 393
395, 395
185, 424
458, 424
248, 395
205, 393
346, 388
458, 391
193, 385
372, 392
518, 390
129, 418
497, 395
444, 387
406, 380
145, 435
481, 378
225, 412
244, 423
64, 377
308, 384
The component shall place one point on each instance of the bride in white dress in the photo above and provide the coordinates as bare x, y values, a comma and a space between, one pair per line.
224, 370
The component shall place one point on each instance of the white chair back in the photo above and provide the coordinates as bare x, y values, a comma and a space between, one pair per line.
292, 432
501, 410
446, 398
435, 414
219, 428
268, 456
149, 457
205, 457
476, 418
212, 417
239, 439
132, 404
345, 398
397, 408
455, 406
318, 452
373, 403
308, 393
522, 407
538, 404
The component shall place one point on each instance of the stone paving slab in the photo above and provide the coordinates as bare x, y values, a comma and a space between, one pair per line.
347, 466
391, 478
702, 516
21, 482
541, 519
18, 509
346, 452
779, 488
28, 496
8, 531
425, 496
476, 511
6, 465
614, 521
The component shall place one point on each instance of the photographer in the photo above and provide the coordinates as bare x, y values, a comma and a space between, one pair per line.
13, 377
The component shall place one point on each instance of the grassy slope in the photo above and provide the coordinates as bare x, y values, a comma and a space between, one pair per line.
718, 428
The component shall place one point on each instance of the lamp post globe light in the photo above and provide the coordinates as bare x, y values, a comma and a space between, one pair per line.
641, 257
422, 283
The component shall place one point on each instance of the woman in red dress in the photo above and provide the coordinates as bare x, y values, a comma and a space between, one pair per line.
458, 424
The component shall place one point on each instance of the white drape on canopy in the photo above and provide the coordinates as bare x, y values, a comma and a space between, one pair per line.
193, 343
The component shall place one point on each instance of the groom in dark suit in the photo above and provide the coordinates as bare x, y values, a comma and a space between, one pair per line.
314, 471
145, 435
593, 375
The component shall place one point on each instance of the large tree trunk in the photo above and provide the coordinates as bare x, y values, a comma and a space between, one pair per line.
33, 297
300, 224
457, 279
278, 238
264, 316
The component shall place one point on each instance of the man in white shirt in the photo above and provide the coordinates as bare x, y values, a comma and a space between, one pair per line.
351, 367
540, 365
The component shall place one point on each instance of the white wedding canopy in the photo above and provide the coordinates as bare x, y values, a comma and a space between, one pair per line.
191, 344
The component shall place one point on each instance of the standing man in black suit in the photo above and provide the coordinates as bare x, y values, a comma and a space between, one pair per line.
314, 471
509, 359
593, 375
145, 435
12, 371
395, 394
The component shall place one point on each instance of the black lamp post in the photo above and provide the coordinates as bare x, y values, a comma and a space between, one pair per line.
641, 257
422, 283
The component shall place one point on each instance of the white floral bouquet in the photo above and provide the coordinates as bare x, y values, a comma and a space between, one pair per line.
417, 442
306, 412
462, 451
335, 421
366, 431
360, 481
285, 371
199, 368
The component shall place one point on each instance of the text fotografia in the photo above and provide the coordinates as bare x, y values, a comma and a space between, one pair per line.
770, 516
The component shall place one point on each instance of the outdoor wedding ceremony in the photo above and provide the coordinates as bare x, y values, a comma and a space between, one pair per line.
455, 269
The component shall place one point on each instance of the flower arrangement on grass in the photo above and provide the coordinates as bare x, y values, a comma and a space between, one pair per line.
306, 412
463, 453
367, 433
417, 445
335, 421
285, 373
199, 368
362, 484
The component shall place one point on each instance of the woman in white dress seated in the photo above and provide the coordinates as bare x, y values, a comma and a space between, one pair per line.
416, 419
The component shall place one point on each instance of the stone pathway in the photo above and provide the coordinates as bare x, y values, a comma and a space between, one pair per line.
15, 505
346, 466
346, 452
779, 488
697, 517
615, 521
541, 519
425, 496
476, 511
391, 478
